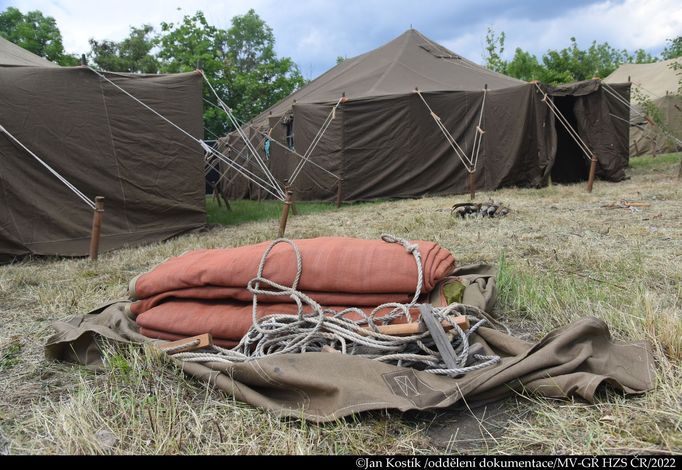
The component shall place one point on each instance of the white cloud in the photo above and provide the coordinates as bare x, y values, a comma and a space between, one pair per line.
633, 24
315, 32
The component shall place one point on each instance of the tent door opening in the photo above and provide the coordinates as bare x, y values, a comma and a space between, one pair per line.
570, 165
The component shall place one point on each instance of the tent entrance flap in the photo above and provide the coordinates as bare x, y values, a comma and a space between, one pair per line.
570, 165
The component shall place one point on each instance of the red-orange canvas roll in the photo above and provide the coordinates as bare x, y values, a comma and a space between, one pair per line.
371, 271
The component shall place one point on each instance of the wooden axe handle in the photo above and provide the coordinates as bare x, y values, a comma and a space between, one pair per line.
414, 328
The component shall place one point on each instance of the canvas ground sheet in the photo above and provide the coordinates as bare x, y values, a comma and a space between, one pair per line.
577, 360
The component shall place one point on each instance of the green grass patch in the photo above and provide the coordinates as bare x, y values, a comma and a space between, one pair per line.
249, 211
9, 356
647, 161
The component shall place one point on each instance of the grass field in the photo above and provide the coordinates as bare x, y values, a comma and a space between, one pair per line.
252, 211
562, 256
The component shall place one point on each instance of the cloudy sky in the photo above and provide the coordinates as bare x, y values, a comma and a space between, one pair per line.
315, 32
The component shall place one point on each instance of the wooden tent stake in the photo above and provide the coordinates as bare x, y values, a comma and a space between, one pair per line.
472, 185
96, 227
285, 213
593, 171
338, 192
187, 344
287, 189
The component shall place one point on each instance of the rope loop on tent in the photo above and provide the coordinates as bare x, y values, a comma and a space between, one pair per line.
316, 140
479, 131
566, 124
469, 162
324, 329
54, 172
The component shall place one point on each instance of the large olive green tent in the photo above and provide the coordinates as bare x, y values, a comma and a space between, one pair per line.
66, 131
385, 139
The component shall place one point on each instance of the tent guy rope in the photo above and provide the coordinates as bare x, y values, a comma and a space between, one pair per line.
245, 172
233, 120
469, 162
316, 140
637, 112
54, 172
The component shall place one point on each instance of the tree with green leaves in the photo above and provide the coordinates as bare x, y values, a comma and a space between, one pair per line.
133, 54
560, 66
255, 77
494, 48
575, 64
673, 50
524, 66
240, 63
191, 44
36, 33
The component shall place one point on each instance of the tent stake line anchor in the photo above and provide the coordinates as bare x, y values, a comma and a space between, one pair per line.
472, 185
285, 213
338, 192
593, 171
287, 190
96, 227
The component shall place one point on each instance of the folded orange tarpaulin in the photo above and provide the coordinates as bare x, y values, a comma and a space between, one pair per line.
243, 295
336, 271
227, 322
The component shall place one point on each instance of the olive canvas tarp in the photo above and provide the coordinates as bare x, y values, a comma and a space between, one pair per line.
384, 142
575, 361
105, 144
658, 84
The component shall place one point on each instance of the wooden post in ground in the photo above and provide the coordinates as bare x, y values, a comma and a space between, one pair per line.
287, 190
593, 171
285, 213
653, 148
472, 184
96, 227
338, 192
679, 173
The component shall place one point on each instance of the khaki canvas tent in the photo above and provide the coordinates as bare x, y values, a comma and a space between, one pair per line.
594, 111
658, 83
384, 139
102, 143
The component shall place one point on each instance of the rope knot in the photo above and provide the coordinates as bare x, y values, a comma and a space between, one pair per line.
409, 247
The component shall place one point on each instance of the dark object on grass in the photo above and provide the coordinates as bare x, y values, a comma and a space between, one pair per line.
471, 209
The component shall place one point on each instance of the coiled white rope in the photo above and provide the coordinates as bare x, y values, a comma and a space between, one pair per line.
325, 328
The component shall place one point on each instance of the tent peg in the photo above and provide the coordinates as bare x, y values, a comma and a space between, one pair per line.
285, 213
593, 171
96, 227
472, 184
287, 190
338, 192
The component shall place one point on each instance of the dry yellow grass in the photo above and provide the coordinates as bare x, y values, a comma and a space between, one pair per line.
562, 256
